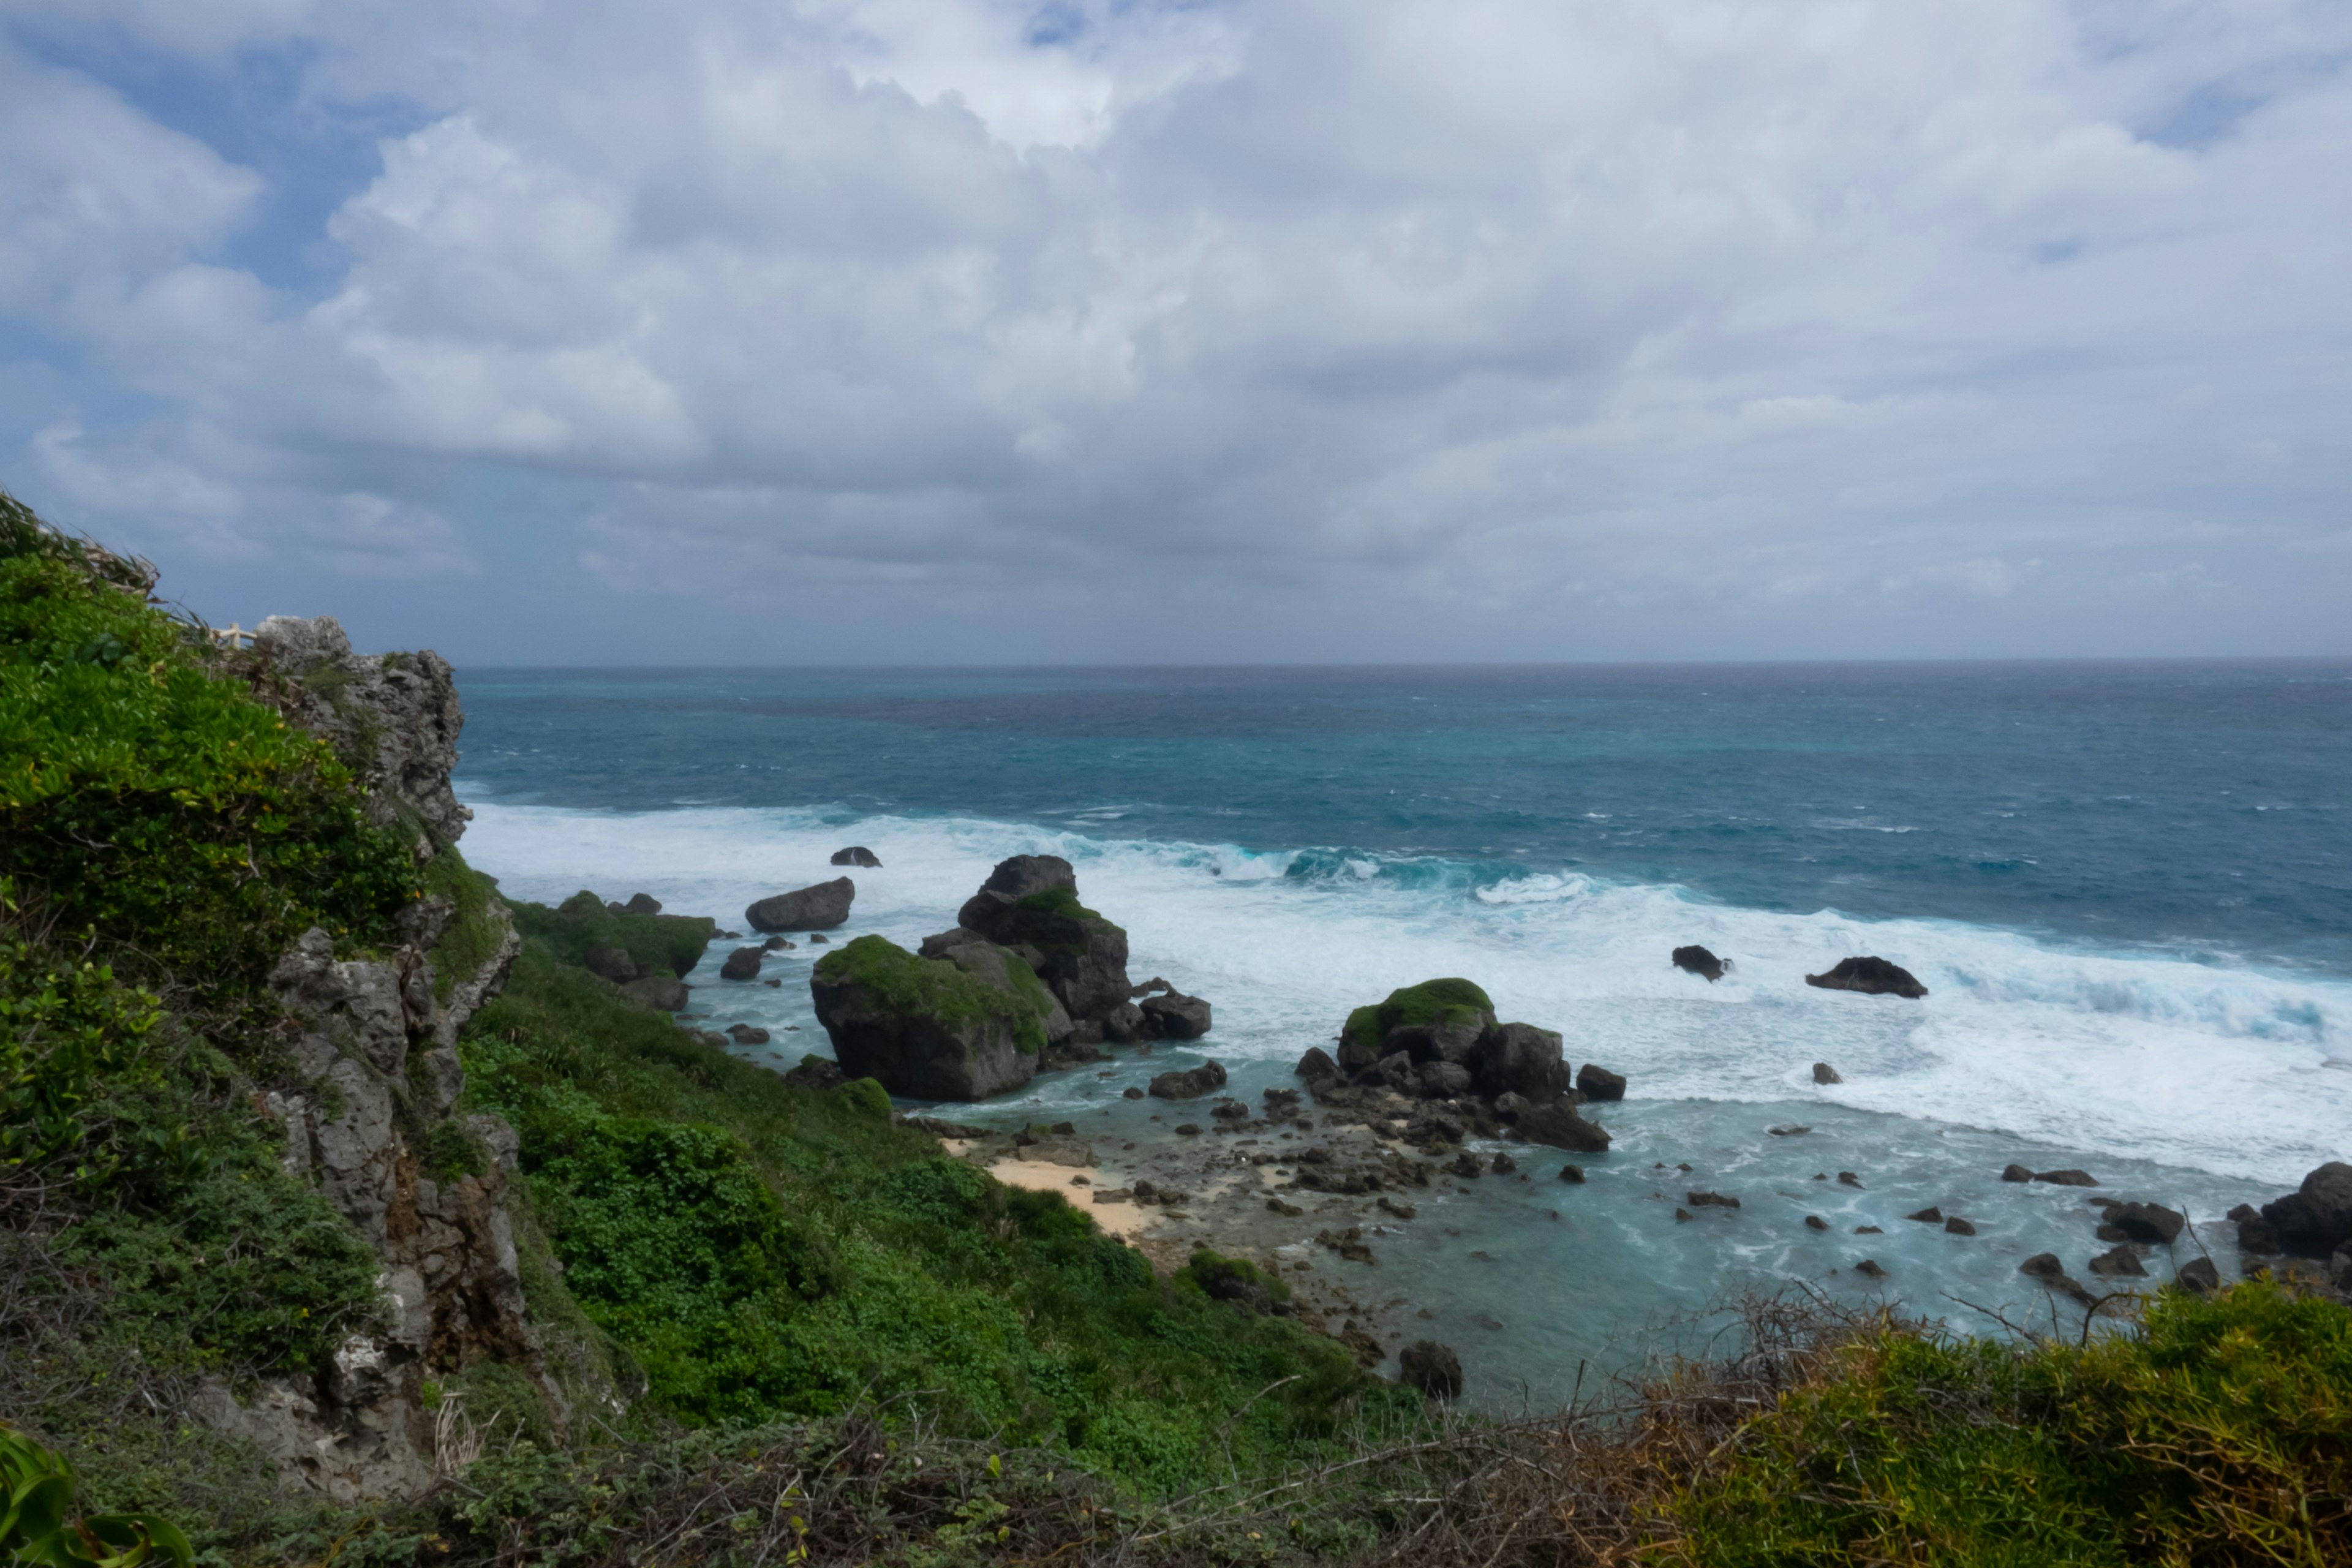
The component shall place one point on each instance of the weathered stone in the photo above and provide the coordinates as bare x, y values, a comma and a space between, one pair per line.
1173, 1016
857, 855
1956, 1225
2316, 1218
1824, 1074
743, 963
642, 904
962, 1027
1872, 976
1712, 1201
1558, 1125
2150, 1222
2121, 1261
2015, 1172
818, 907
1190, 1083
1518, 1058
747, 1034
1929, 1216
2067, 1178
1315, 1064
394, 718
1598, 1083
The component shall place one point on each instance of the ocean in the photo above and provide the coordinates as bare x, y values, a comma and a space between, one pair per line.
2128, 888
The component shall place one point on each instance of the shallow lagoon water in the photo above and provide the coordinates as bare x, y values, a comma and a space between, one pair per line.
2116, 1011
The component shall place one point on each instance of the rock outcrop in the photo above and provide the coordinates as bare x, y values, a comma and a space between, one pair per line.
1872, 976
1030, 904
2316, 1219
371, 1118
1439, 1043
1699, 961
963, 1025
819, 908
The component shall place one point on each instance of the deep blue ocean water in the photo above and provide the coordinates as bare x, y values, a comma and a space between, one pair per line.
2127, 886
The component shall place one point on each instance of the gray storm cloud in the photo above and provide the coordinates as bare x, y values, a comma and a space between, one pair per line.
1414, 331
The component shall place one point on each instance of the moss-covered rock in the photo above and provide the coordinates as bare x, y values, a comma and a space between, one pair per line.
1031, 902
960, 1027
1445, 1005
657, 944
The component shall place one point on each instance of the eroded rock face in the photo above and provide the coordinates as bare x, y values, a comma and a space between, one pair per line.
393, 717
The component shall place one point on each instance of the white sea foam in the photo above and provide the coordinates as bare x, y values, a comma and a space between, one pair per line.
2205, 1066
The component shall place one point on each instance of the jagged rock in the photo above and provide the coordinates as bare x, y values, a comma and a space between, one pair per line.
743, 963
1558, 1125
964, 1026
857, 855
1349, 1243
2121, 1261
1825, 1074
942, 943
1440, 1080
2042, 1265
642, 904
781, 944
2316, 1218
747, 1034
1502, 1164
1598, 1083
1815, 1222
1430, 1367
2067, 1178
1872, 976
1699, 961
394, 718
1173, 1015
1517, 1059
2150, 1222
1956, 1225
662, 992
1465, 1165
1031, 901
1191, 1083
1230, 1110
1848, 1179
1929, 1216
1870, 1269
819, 908
1317, 1064
1712, 1201
2015, 1172
2256, 1237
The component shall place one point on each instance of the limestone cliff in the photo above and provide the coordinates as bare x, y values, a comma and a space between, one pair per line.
372, 1118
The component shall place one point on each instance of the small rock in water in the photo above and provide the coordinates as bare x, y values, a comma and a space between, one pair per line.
1825, 1073
1869, 1267
1278, 1206
2015, 1172
2151, 1223
1684, 1166
1848, 1179
1929, 1216
1187, 1129
1572, 1174
1788, 1132
857, 855
2068, 1178
1868, 1230
2122, 1261
1958, 1227
743, 963
1872, 976
748, 1034
1681, 1214
814, 938
1712, 1201
2200, 1275
1487, 1320
1390, 1206
1503, 1166
1815, 1222
778, 984
1820, 1175
1696, 960
2042, 1265
1465, 1165
1596, 1082
1130, 1093
776, 944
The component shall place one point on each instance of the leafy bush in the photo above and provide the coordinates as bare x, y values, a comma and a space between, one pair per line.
39, 1521
66, 1028
143, 797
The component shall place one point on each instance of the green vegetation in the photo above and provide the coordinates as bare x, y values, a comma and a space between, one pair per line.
758, 1250
476, 928
660, 943
1430, 1002
2218, 1431
39, 1521
937, 988
1058, 901
142, 796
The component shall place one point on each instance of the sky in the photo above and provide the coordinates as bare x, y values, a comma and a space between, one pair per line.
826, 332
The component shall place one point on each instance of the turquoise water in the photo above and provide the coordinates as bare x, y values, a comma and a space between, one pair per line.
2129, 888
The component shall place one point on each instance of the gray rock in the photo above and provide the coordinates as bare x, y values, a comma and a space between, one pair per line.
1598, 1083
2199, 1275
1454, 1040
857, 855
2121, 1261
2150, 1222
2042, 1265
1956, 1225
1188, 1084
1079, 954
1712, 1201
1558, 1125
1317, 1064
1930, 1215
1430, 1367
1825, 1074
743, 963
1172, 1016
819, 908
748, 1034
2067, 1178
1872, 976
1518, 1058
1440, 1081
2316, 1218
2015, 1172
955, 1041
1572, 1174
947, 942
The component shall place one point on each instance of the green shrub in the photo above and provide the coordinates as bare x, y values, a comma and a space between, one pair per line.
39, 1521
66, 1028
476, 929
868, 1096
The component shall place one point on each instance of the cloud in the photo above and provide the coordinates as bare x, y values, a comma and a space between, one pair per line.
1702, 321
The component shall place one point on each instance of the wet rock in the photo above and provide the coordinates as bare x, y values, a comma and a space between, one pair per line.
743, 963
1391, 1207
1230, 1110
1788, 1132
1517, 1058
1558, 1125
1598, 1083
1868, 1230
2041, 1266
1815, 1222
1465, 1165
2199, 1275
1191, 1083
1870, 1270
1440, 1081
1698, 961
818, 907
1508, 1106
1848, 1179
1278, 1206
1713, 1201
2067, 1178
1349, 1243
1872, 976
1173, 1016
1956, 1225
1031, 902
2121, 1261
1187, 1129
1572, 1174
2150, 1222
1825, 1074
815, 940
2014, 1172
747, 1034
1430, 1367
1130, 1093
2243, 1212
1281, 1104
784, 944
2256, 1237
2316, 1218
1503, 1165
857, 855
1930, 1215
1317, 1064
1682, 1215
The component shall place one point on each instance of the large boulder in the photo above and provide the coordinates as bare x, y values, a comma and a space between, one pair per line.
1558, 1125
857, 855
1437, 1019
1699, 961
2150, 1222
1188, 1084
1873, 976
964, 1027
1518, 1058
819, 908
1030, 902
2316, 1218
1596, 1082
743, 963
1173, 1016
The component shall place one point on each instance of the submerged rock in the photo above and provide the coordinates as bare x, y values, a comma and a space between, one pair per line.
2121, 1261
818, 907
1558, 1125
1872, 976
1713, 1201
1699, 961
2067, 1178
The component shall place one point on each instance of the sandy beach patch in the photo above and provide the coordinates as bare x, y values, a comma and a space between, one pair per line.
1125, 1221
